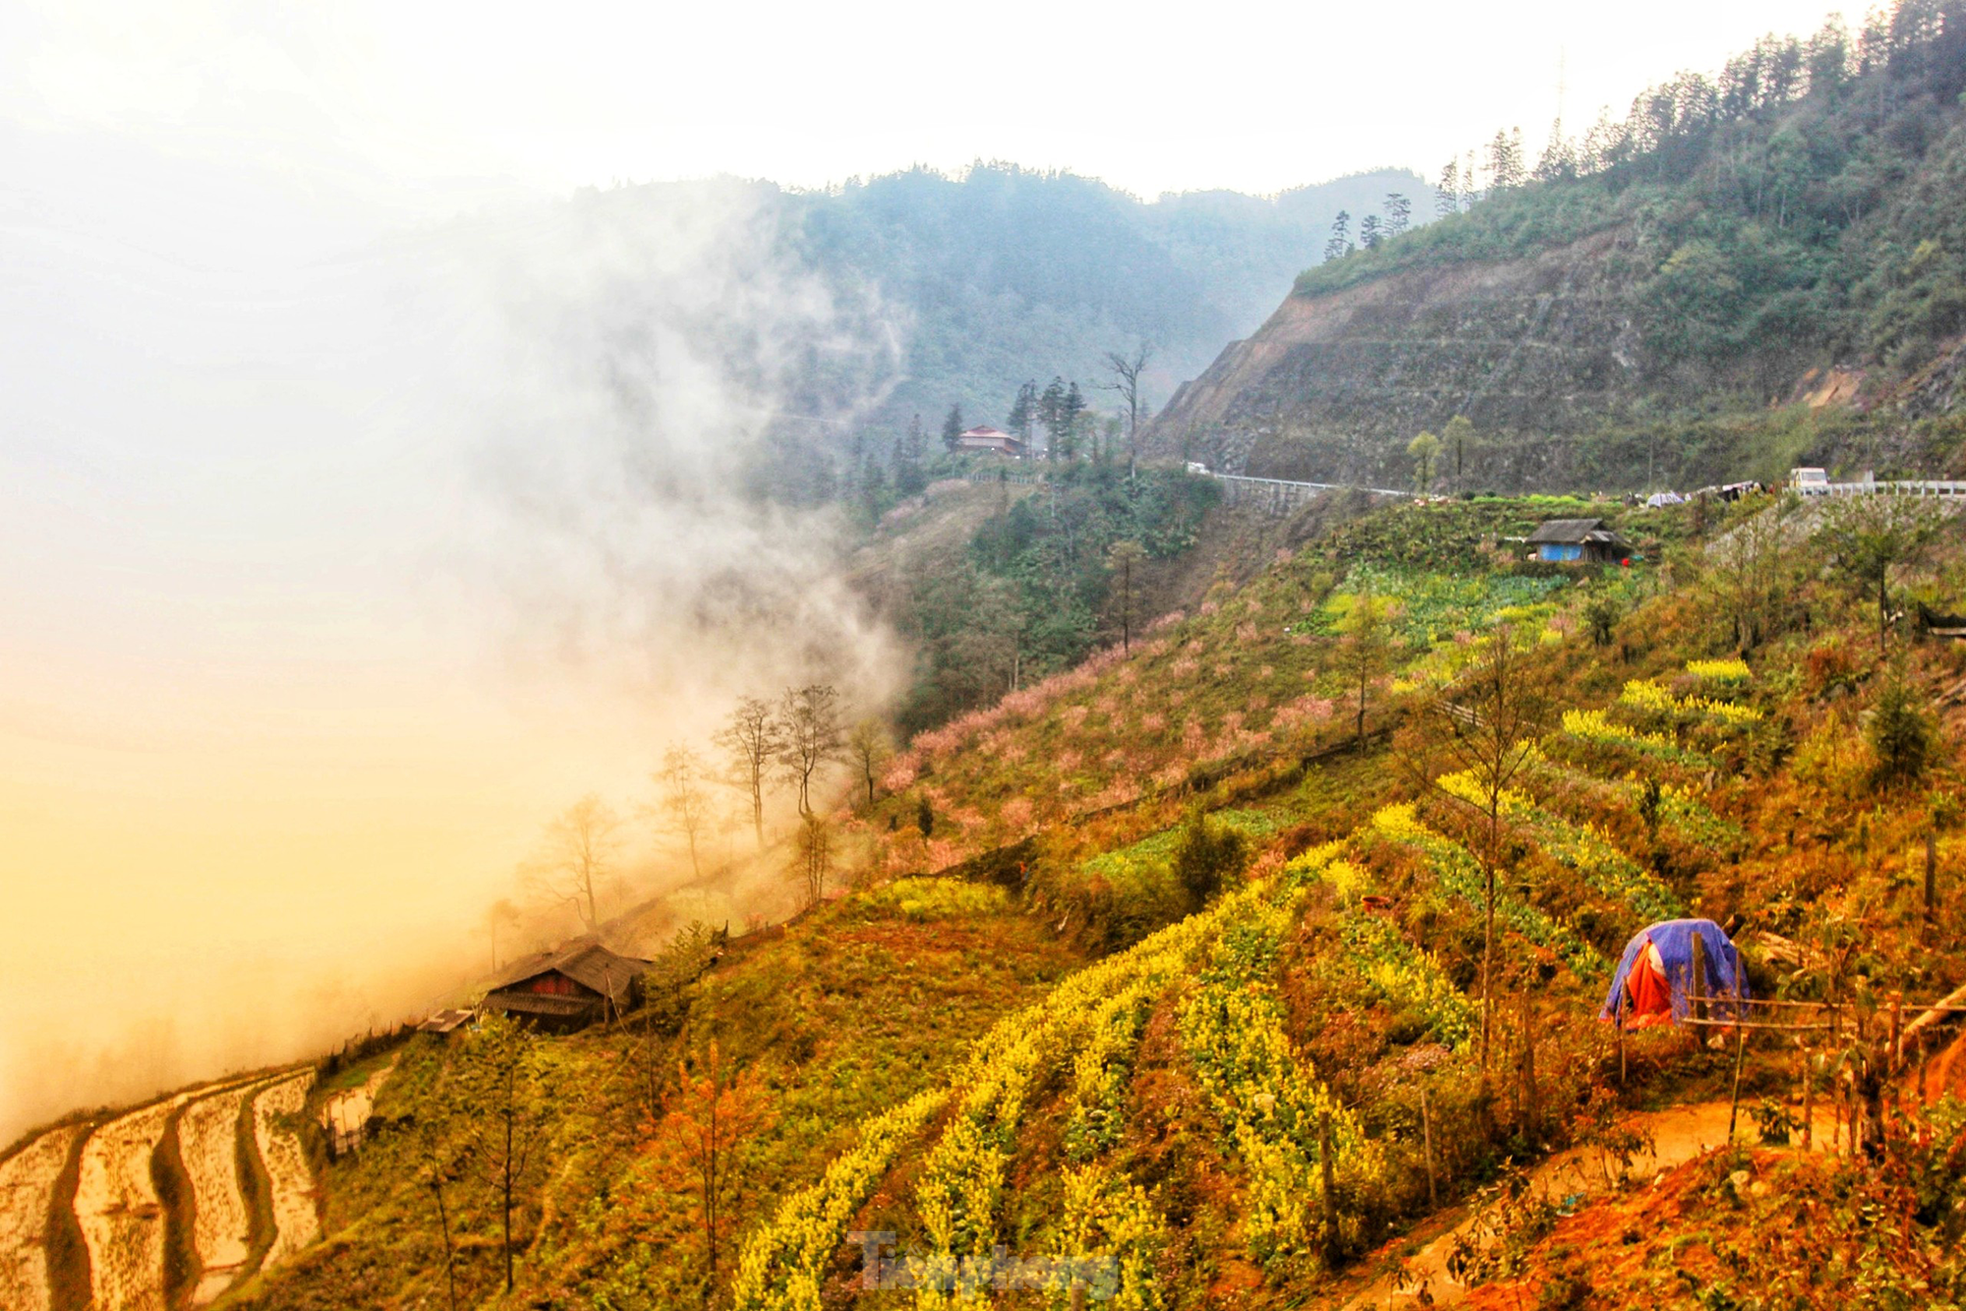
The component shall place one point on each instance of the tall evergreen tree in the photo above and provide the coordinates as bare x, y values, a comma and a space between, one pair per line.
1369, 232
1399, 213
1447, 191
952, 426
1340, 243
1505, 160
1022, 411
1071, 413
1050, 410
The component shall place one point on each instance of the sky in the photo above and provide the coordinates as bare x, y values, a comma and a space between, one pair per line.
437, 99
328, 566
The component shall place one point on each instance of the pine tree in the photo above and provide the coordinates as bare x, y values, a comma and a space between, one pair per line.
1447, 191
1559, 159
1505, 160
1399, 213
1019, 420
952, 427
1340, 244
1071, 412
1050, 407
1368, 232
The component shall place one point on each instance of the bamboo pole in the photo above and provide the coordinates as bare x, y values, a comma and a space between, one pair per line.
1740, 1059
1697, 989
1808, 1095
1623, 1005
1427, 1139
1330, 1196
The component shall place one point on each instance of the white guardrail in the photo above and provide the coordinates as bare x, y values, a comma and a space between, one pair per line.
1279, 493
1900, 487
1315, 487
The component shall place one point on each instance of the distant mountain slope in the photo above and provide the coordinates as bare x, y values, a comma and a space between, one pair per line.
1004, 275
1013, 275
1795, 229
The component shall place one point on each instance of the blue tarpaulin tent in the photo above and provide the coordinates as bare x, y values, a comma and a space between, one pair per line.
1653, 984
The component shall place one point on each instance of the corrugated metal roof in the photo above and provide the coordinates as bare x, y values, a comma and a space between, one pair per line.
1566, 530
541, 1003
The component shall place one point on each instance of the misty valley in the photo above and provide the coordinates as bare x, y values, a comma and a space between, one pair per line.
964, 736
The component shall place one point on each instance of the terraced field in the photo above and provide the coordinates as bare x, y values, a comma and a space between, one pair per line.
208, 1141
159, 1180
296, 1219
1219, 984
122, 1217
27, 1188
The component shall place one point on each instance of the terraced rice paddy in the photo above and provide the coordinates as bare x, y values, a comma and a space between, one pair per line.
27, 1185
208, 1141
126, 1226
296, 1220
121, 1216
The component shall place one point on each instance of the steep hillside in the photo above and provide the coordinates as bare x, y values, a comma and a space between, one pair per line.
1169, 976
1006, 275
1792, 232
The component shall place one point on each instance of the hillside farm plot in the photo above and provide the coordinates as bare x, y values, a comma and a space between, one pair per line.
121, 1217
27, 1183
296, 1220
208, 1139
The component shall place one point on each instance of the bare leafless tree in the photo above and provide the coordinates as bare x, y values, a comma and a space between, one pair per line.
867, 746
501, 914
812, 859
1484, 727
1124, 561
1126, 370
502, 1078
750, 742
682, 809
575, 857
808, 735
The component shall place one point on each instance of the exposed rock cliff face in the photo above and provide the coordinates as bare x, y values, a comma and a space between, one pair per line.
1333, 386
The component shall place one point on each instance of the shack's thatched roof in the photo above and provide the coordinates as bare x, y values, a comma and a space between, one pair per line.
583, 960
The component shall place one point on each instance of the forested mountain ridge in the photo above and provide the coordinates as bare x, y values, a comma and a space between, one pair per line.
1012, 275
1629, 310
974, 285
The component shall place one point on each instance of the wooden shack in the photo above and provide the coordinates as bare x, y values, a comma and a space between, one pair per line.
1572, 541
568, 988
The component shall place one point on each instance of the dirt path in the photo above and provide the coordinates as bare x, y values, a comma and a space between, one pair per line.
296, 1221
208, 1140
1679, 1134
27, 1183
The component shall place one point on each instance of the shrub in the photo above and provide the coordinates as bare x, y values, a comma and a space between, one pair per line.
1601, 617
1208, 856
1901, 733
933, 898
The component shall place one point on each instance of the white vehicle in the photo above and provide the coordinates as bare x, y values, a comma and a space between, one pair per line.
1809, 482
1196, 466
